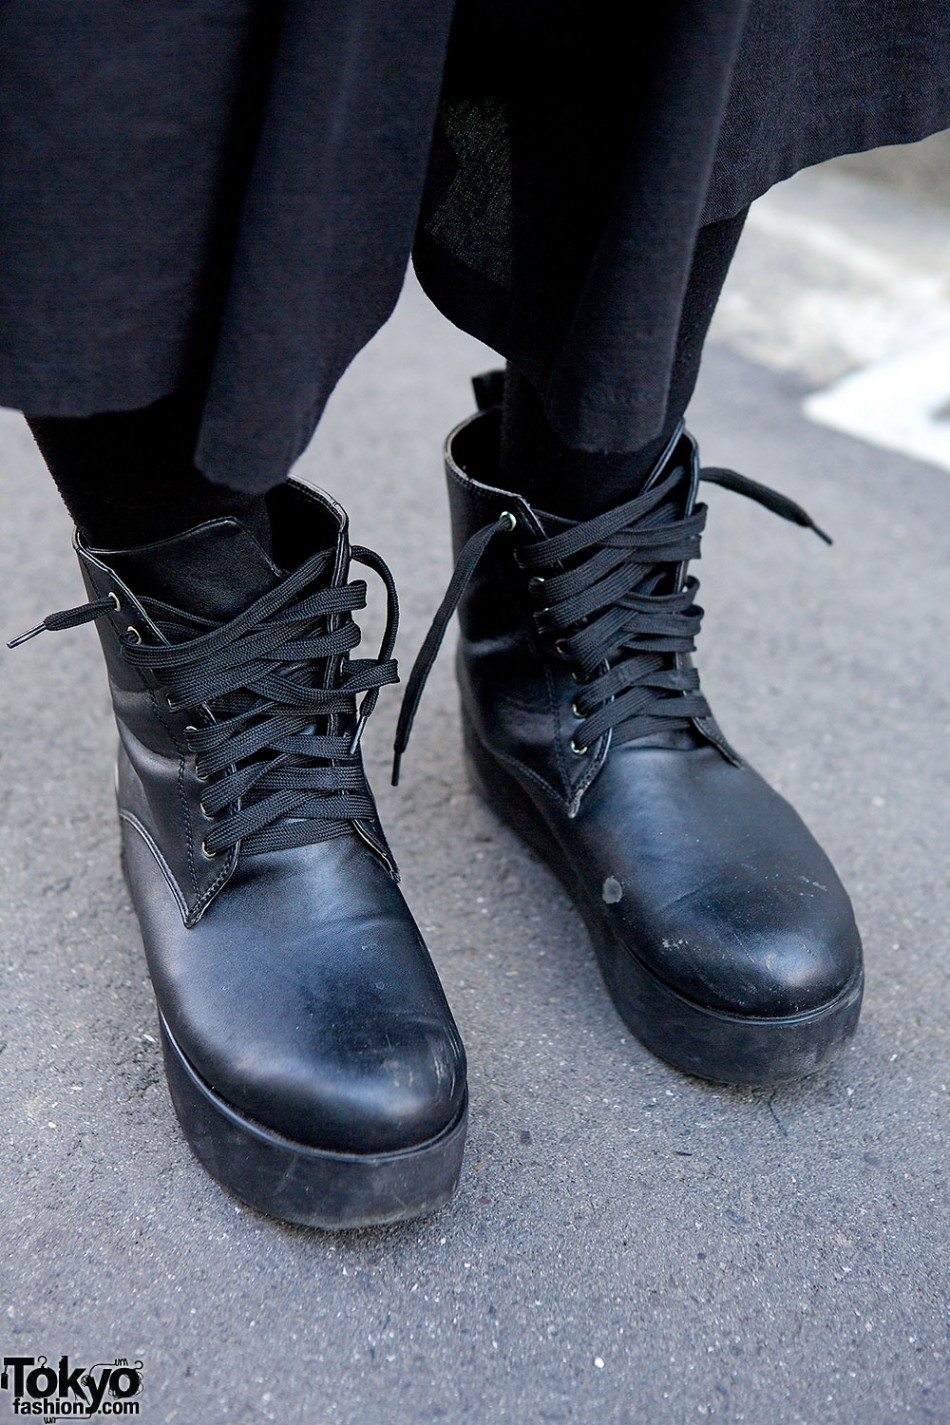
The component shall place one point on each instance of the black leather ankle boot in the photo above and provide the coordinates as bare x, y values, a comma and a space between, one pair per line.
311, 1055
722, 931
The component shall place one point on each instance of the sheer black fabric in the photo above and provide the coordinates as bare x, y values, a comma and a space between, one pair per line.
560, 479
225, 193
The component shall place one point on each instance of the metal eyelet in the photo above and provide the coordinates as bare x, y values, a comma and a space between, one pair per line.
510, 520
576, 748
536, 582
190, 727
208, 855
576, 710
168, 699
560, 648
575, 675
133, 633
208, 815
114, 600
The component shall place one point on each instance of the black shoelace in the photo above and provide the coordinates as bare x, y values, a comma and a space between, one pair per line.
612, 602
271, 677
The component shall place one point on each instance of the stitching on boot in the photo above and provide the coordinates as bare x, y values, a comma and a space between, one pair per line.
172, 731
203, 901
516, 765
189, 833
564, 793
136, 825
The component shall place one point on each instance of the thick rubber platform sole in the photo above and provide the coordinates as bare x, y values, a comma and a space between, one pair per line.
305, 1185
726, 1048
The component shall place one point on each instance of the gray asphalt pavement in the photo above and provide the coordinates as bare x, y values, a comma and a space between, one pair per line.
629, 1246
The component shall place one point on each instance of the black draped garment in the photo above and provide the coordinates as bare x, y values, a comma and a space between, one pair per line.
227, 192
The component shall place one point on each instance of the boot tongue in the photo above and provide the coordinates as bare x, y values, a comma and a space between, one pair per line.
210, 572
679, 505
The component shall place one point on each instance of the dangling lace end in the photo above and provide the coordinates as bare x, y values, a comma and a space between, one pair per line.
793, 512
782, 505
465, 566
69, 618
25, 637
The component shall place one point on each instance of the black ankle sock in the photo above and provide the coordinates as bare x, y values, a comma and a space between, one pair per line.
579, 484
128, 477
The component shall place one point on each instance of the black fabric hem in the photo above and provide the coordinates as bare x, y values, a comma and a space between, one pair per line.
746, 183
251, 470
44, 389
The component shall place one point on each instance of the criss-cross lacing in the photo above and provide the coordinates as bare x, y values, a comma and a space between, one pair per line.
261, 684
614, 600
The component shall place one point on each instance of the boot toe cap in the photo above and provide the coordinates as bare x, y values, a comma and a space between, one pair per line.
306, 1001
390, 1091
761, 950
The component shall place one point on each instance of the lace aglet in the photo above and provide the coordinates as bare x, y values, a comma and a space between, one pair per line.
397, 759
358, 734
821, 533
25, 637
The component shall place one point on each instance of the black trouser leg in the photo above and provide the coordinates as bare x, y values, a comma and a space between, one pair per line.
577, 483
129, 478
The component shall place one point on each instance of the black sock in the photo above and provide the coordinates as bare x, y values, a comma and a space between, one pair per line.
579, 484
128, 477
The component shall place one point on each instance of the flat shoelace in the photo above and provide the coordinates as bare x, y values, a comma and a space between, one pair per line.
268, 676
601, 596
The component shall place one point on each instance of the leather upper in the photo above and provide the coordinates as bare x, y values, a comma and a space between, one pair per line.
681, 850
295, 981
